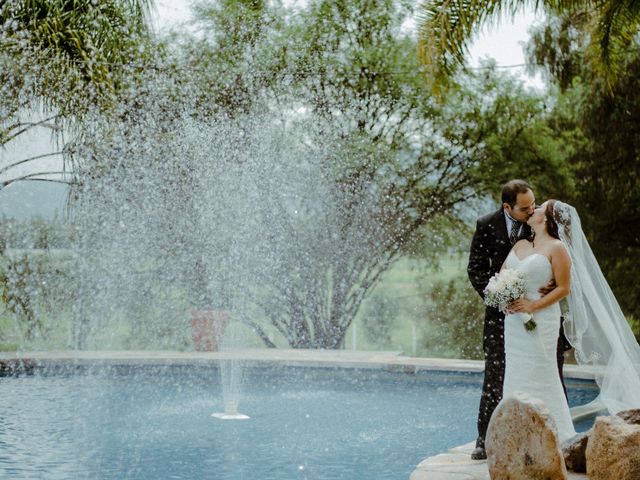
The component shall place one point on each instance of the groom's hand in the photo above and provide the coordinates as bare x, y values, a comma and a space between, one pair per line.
547, 288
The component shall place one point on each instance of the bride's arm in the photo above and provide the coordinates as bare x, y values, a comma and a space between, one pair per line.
561, 266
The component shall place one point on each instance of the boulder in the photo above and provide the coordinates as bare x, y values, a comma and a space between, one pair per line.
632, 417
613, 450
522, 441
574, 451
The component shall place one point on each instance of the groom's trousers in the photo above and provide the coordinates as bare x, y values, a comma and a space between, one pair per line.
494, 364
493, 346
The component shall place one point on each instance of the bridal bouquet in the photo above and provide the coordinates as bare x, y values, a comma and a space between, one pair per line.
505, 287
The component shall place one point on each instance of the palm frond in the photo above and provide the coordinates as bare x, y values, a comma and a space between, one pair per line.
617, 24
87, 43
447, 26
568, 6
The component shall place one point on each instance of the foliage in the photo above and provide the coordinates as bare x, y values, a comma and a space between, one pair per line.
599, 133
63, 48
235, 56
378, 319
30, 284
446, 28
402, 162
35, 233
515, 139
284, 159
635, 326
558, 46
454, 319
59, 59
342, 163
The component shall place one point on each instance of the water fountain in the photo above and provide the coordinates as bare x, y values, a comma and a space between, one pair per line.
231, 374
212, 227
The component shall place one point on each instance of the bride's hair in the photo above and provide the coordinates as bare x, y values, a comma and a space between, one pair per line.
552, 224
558, 213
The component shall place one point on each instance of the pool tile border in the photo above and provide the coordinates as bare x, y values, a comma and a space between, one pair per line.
394, 361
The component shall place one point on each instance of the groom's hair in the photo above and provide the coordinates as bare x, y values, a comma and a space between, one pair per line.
512, 188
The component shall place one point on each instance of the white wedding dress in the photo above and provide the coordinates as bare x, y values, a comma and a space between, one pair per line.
530, 356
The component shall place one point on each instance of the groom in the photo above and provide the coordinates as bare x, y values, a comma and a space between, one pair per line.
494, 236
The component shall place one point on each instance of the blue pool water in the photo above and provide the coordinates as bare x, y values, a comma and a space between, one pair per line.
306, 423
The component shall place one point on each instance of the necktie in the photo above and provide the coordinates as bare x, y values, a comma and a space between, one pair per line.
515, 228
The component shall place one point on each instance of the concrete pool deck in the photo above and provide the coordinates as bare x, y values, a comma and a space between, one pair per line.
455, 464
393, 361
289, 357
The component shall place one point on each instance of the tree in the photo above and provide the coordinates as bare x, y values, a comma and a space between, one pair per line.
402, 161
59, 59
298, 189
235, 54
447, 27
599, 134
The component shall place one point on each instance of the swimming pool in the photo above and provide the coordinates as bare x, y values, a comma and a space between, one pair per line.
152, 422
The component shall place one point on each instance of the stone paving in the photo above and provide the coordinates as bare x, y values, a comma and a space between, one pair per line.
455, 464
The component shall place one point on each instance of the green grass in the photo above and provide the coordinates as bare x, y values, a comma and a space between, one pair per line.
405, 283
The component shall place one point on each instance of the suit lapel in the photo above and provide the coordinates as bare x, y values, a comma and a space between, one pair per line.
502, 242
500, 227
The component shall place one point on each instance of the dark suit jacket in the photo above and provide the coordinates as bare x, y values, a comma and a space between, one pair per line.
489, 249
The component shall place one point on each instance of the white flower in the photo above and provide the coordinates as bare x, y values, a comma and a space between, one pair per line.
505, 287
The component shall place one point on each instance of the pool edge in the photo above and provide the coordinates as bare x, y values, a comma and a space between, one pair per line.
392, 361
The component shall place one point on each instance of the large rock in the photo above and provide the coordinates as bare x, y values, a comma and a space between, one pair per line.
574, 451
613, 451
632, 417
522, 442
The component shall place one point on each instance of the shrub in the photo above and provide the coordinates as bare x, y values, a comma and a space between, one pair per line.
454, 320
379, 319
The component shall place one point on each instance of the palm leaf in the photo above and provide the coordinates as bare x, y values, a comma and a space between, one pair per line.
447, 26
90, 40
618, 21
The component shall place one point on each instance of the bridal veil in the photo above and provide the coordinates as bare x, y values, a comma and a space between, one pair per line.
594, 323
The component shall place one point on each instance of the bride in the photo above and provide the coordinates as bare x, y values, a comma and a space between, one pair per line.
594, 323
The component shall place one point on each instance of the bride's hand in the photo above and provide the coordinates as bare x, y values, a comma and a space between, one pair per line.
521, 305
